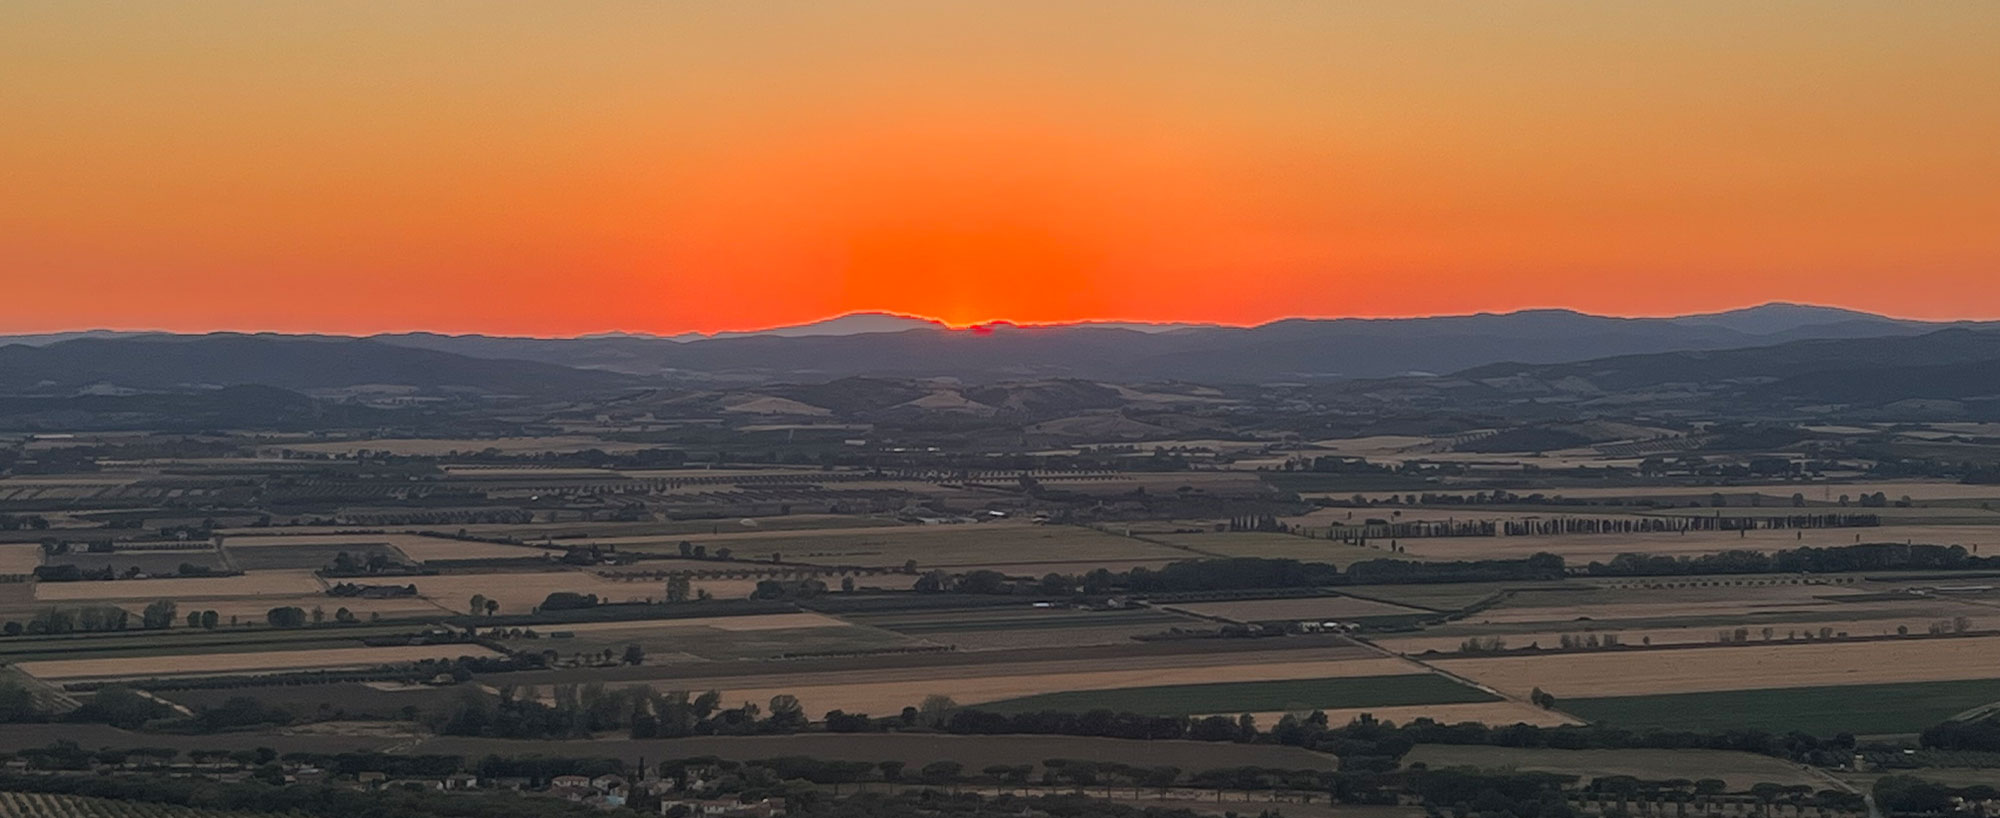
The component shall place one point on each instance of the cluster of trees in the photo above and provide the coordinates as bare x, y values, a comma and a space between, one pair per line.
788, 589
580, 710
1238, 573
19, 522
696, 551
1257, 522
85, 619
293, 616
349, 589
1903, 794
1982, 735
568, 601
1810, 560
749, 777
69, 572
375, 562
1682, 525
127, 708
158, 615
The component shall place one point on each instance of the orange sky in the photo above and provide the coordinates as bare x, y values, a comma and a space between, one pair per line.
560, 168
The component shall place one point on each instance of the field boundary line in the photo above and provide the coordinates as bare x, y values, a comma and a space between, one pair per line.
1472, 683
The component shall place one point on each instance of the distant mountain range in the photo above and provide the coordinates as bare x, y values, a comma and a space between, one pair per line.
1292, 350
884, 345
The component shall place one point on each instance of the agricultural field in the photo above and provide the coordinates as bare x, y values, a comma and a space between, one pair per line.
1748, 667
975, 752
306, 557
1739, 770
1862, 709
1816, 492
44, 805
517, 592
1308, 608
1499, 713
957, 547
218, 663
409, 546
1452, 596
1019, 627
250, 610
1696, 627
724, 638
890, 691
145, 562
1271, 545
1244, 697
686, 528
187, 641
1579, 602
260, 584
1584, 548
427, 447
357, 701
20, 558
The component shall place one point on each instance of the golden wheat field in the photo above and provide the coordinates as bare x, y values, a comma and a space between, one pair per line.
1755, 666
21, 558
888, 690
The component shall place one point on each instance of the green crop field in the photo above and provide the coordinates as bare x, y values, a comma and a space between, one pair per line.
1861, 709
1247, 697
1161, 619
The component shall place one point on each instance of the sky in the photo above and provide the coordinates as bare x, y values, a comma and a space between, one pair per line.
558, 168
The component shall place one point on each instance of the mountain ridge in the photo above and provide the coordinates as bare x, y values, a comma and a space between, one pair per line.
1288, 350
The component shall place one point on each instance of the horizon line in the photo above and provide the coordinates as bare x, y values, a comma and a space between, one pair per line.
988, 324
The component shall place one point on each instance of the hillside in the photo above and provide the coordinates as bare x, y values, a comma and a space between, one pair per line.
156, 363
1953, 365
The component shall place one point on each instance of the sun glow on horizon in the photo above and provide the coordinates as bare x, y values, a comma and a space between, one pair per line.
380, 166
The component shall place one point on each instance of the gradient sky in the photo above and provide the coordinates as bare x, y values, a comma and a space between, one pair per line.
669, 165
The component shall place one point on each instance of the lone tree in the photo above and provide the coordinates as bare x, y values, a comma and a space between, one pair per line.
477, 606
289, 616
679, 588
159, 615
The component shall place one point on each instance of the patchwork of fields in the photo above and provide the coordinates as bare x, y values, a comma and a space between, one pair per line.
996, 655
